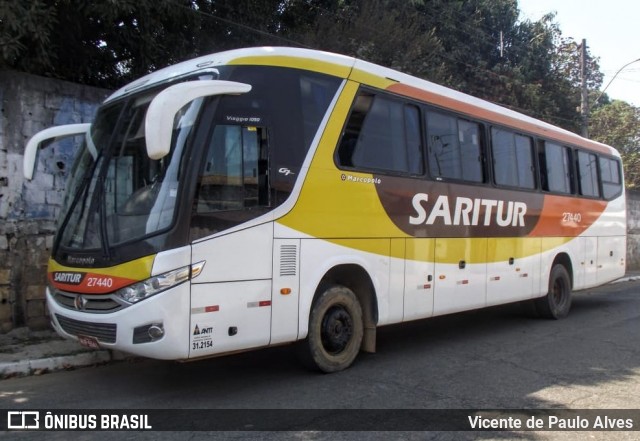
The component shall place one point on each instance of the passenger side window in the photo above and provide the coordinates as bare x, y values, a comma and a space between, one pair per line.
588, 174
382, 134
555, 168
454, 148
611, 177
512, 159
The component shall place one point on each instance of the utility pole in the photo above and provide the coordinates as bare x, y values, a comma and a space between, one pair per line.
584, 102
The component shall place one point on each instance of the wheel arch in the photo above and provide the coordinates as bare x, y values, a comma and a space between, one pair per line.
358, 280
565, 260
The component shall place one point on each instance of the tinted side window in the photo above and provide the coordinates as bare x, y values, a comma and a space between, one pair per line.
382, 134
555, 167
454, 148
234, 173
588, 174
512, 159
611, 178
290, 104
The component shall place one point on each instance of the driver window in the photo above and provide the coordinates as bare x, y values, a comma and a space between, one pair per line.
235, 170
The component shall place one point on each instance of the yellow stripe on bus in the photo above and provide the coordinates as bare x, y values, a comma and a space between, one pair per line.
453, 250
139, 269
296, 63
334, 203
370, 79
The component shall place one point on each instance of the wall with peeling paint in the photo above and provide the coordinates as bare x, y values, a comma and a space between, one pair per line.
28, 209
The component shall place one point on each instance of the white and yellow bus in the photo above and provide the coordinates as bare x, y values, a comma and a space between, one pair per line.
264, 196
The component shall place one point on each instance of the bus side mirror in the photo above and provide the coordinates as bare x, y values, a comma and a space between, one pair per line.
42, 139
164, 107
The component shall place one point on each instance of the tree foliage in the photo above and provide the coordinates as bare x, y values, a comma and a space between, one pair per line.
481, 47
25, 35
109, 43
617, 124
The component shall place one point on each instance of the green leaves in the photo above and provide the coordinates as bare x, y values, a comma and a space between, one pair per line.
618, 124
25, 35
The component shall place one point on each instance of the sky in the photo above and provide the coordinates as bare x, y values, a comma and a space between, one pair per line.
612, 31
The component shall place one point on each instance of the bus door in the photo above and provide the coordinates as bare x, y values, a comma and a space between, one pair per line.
231, 298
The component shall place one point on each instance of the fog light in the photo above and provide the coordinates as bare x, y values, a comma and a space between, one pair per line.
148, 333
156, 332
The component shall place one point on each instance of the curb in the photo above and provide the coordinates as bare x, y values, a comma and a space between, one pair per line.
626, 279
51, 364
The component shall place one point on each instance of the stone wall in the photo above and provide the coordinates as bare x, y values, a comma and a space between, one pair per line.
28, 210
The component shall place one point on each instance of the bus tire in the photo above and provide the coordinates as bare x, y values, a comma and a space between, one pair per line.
557, 302
335, 330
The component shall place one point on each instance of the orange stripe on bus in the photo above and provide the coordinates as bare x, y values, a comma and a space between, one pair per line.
479, 112
558, 216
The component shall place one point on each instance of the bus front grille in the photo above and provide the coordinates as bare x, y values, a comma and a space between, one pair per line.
104, 332
89, 303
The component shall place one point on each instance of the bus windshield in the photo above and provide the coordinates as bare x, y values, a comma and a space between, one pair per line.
118, 194
232, 158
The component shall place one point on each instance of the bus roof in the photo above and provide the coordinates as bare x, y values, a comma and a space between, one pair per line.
367, 73
211, 61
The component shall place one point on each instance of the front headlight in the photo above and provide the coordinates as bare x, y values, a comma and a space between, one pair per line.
156, 284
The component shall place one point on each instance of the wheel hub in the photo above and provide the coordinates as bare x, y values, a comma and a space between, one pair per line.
337, 329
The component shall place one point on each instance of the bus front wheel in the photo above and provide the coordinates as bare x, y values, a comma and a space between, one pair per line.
557, 302
335, 330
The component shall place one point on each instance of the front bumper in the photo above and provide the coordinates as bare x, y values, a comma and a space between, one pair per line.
128, 329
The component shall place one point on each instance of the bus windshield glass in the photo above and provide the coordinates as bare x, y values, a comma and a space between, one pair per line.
122, 195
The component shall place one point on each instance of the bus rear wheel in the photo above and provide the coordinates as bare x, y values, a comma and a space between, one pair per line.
335, 330
557, 302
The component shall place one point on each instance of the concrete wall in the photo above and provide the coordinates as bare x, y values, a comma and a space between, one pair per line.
28, 210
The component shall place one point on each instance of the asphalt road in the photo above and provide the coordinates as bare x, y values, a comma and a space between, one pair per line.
494, 358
